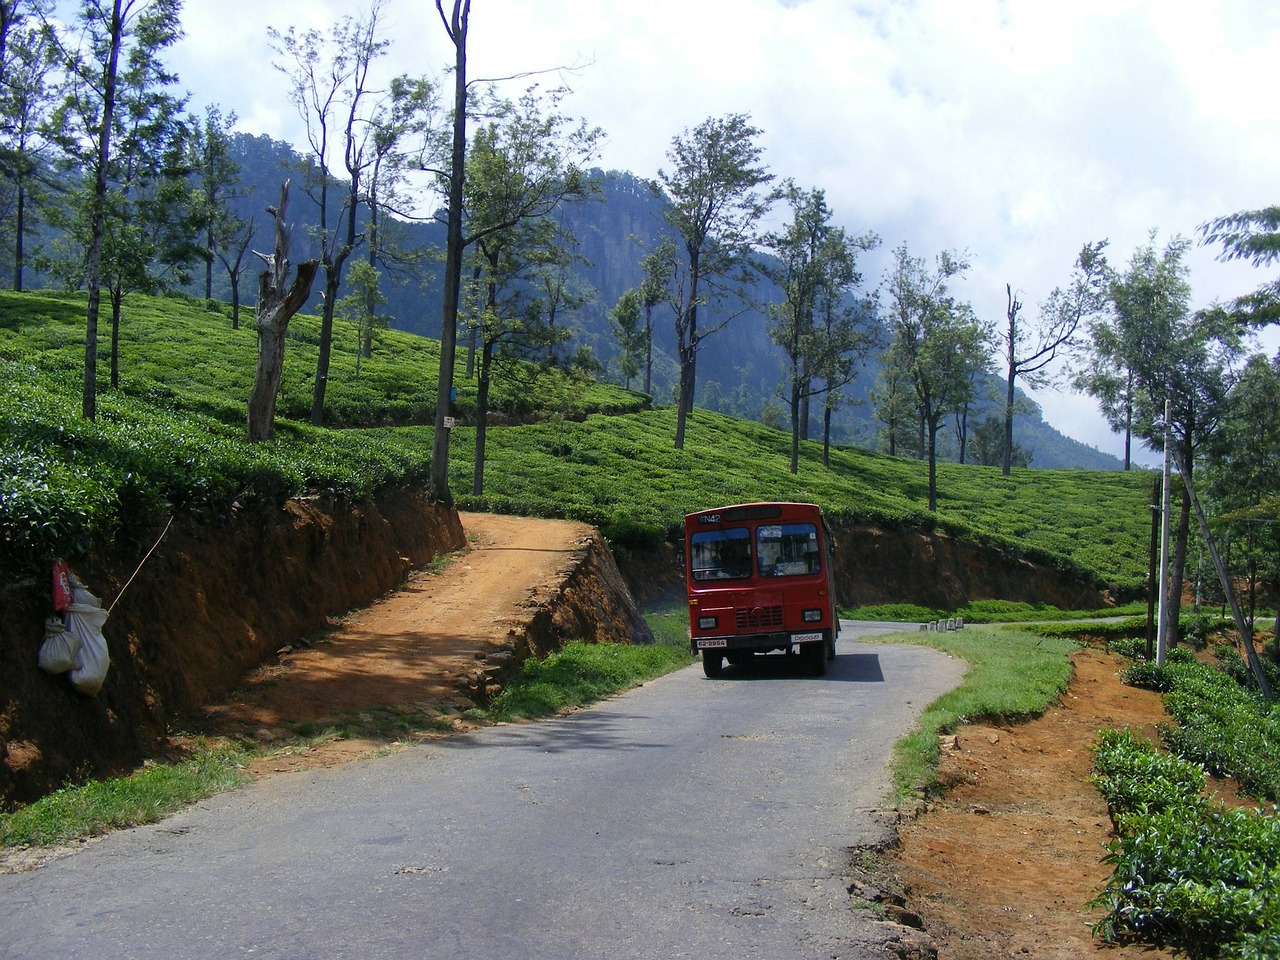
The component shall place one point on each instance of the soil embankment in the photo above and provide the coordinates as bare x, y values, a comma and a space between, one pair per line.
446, 640
217, 598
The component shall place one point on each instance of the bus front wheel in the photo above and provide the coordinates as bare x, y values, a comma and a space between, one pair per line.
712, 663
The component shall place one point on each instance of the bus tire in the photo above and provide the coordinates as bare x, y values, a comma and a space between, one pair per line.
816, 654
712, 663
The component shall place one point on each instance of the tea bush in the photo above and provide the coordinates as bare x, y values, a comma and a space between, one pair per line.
1186, 873
1206, 882
1190, 874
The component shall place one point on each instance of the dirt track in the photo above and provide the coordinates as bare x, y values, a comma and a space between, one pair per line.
411, 649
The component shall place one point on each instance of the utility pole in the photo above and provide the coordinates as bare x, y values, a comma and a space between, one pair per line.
1162, 618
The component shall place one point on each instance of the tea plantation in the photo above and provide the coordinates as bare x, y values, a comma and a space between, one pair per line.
171, 437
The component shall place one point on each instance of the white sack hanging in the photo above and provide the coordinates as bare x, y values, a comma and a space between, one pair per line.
60, 651
85, 618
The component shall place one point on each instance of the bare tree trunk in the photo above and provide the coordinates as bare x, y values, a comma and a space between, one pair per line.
648, 349
276, 307
826, 435
482, 416
116, 296
89, 395
456, 26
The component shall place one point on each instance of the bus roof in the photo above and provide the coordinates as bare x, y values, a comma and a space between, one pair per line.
762, 510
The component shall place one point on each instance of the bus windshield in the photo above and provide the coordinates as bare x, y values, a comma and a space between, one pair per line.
787, 549
780, 550
720, 554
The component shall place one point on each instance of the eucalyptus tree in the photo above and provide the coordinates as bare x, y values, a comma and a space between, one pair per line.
633, 337
936, 342
1031, 349
406, 137
987, 445
215, 184
849, 325
456, 25
1252, 235
350, 128
653, 267
893, 405
28, 94
717, 190
1149, 349
1243, 483
231, 251
117, 126
814, 266
360, 307
521, 167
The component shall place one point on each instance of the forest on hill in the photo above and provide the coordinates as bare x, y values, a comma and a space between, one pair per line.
741, 371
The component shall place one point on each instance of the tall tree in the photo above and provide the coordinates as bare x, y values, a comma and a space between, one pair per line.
330, 85
1168, 354
522, 166
1244, 485
360, 307
215, 185
406, 136
632, 336
28, 93
717, 193
1252, 235
937, 343
892, 404
654, 266
848, 326
1031, 349
231, 250
815, 271
456, 25
119, 38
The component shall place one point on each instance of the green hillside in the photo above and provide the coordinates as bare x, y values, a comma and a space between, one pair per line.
172, 438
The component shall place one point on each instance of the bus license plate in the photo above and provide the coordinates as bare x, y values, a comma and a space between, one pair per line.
806, 637
721, 642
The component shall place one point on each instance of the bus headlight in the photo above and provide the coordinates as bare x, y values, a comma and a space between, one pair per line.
707, 623
812, 616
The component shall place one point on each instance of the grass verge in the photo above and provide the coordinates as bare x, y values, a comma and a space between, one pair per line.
143, 797
582, 673
1013, 674
988, 611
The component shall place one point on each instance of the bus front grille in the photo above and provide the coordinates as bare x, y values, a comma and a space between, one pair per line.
756, 618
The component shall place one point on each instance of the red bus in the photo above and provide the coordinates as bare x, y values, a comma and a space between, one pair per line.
759, 580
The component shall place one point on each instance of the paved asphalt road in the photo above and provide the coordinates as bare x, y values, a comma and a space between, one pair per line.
689, 818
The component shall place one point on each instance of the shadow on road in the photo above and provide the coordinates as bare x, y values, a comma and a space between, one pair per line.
847, 667
587, 730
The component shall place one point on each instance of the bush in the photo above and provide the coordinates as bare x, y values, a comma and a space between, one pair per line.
1208, 885
1135, 777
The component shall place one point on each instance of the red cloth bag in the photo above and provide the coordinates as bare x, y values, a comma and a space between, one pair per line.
61, 586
